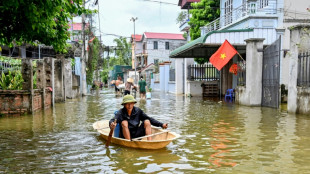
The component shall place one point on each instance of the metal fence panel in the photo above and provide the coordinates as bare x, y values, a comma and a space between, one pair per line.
271, 75
202, 72
241, 76
303, 78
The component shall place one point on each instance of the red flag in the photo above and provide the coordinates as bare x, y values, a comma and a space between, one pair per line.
222, 56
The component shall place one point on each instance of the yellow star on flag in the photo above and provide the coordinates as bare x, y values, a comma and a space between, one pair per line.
223, 56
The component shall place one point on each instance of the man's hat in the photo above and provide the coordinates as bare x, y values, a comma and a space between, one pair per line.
128, 99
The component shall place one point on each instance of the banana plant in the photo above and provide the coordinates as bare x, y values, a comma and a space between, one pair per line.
11, 82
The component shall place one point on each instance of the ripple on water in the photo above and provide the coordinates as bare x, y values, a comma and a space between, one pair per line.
215, 138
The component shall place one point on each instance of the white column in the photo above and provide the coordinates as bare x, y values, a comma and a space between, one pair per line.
162, 77
293, 71
254, 68
188, 61
167, 74
179, 79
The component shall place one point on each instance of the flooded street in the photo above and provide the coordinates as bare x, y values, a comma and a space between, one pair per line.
216, 137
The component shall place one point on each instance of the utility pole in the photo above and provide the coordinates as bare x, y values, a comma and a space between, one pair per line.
83, 58
134, 45
100, 48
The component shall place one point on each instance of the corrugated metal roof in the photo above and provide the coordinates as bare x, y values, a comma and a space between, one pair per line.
199, 44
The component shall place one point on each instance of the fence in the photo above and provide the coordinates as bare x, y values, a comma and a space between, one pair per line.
202, 72
172, 75
241, 76
10, 64
303, 78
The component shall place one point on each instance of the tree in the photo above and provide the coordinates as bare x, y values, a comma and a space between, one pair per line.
123, 51
181, 17
203, 13
93, 57
27, 21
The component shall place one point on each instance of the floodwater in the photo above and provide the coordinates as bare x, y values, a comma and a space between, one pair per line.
216, 137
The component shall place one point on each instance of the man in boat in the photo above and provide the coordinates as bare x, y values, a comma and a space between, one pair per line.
129, 117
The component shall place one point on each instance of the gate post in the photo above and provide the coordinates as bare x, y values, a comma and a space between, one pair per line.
27, 73
254, 65
179, 79
297, 41
162, 76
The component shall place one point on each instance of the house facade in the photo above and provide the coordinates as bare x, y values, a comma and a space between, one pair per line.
251, 26
151, 47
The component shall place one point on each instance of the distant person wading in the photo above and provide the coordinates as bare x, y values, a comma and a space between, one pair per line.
142, 85
128, 86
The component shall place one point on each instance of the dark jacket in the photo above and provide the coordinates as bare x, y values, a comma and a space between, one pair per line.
137, 115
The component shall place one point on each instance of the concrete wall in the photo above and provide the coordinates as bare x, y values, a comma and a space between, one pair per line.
156, 86
194, 88
303, 100
49, 74
58, 81
68, 78
171, 87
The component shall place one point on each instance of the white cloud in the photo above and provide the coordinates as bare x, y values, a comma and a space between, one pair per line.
152, 17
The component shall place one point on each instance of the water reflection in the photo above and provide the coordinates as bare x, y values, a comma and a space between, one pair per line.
216, 137
221, 134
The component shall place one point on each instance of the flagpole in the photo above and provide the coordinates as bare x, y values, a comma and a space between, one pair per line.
240, 56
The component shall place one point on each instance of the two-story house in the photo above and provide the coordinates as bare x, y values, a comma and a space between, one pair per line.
250, 26
154, 47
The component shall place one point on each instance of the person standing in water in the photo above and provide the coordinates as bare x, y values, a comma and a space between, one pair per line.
142, 85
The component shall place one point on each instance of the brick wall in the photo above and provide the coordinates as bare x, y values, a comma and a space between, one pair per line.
14, 101
18, 101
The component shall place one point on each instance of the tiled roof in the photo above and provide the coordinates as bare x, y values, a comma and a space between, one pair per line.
137, 37
173, 36
77, 26
186, 3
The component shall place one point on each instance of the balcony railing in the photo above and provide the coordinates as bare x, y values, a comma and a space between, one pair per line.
247, 9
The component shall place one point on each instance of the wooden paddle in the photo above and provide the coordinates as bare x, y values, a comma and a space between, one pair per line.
110, 135
158, 133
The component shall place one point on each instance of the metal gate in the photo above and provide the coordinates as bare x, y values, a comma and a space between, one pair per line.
271, 75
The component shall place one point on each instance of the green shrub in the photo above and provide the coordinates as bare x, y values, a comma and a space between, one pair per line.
11, 81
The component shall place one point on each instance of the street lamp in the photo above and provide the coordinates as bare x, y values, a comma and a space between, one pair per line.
134, 47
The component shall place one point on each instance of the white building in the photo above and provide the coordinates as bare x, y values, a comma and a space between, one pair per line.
155, 47
251, 26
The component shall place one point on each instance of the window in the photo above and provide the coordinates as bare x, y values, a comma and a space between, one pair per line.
263, 3
228, 11
167, 45
155, 45
156, 62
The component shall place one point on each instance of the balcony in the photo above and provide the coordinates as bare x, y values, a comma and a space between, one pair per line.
184, 25
256, 8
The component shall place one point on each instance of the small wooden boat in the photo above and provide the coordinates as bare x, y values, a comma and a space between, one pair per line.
160, 137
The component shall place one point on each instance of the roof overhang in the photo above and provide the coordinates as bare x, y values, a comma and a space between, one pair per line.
206, 45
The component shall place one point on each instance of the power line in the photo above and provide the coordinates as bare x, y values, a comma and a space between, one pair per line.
159, 2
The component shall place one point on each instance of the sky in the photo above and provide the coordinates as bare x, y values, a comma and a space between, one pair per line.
115, 17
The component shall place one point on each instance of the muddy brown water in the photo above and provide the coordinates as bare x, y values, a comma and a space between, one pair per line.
216, 137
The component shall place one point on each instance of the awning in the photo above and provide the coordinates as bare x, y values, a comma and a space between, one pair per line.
205, 46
